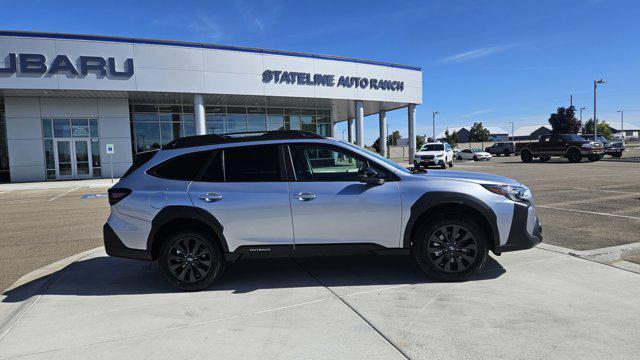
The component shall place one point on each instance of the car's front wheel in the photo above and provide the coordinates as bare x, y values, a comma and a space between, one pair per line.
450, 248
190, 260
617, 155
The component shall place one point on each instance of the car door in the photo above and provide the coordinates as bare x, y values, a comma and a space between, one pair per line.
467, 154
330, 206
245, 189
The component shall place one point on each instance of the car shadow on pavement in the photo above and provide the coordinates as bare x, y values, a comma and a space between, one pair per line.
104, 276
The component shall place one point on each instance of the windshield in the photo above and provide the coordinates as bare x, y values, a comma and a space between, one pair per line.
572, 137
432, 147
378, 157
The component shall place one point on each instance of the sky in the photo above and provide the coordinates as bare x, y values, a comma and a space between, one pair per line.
493, 62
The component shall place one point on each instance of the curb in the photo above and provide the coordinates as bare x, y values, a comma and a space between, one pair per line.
612, 256
42, 279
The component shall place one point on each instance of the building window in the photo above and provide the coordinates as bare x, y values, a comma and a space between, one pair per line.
4, 149
153, 126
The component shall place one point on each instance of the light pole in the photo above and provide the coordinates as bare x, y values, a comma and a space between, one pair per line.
434, 125
595, 119
621, 124
511, 122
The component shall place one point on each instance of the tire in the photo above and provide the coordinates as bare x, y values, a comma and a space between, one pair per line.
451, 163
617, 155
459, 157
506, 152
574, 156
444, 165
526, 156
468, 256
545, 158
188, 272
475, 158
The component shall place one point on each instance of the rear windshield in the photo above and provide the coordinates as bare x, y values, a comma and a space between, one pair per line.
139, 159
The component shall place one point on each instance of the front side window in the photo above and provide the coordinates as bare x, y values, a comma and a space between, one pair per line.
319, 163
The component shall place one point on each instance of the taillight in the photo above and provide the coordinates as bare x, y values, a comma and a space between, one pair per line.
115, 195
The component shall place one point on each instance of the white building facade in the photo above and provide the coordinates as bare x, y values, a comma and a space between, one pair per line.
64, 99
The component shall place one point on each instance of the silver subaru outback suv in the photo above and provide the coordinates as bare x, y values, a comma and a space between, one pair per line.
203, 201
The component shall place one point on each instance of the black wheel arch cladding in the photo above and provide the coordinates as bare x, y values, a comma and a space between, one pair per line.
431, 200
189, 213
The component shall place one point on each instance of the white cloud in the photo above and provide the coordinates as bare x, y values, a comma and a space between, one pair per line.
476, 113
477, 53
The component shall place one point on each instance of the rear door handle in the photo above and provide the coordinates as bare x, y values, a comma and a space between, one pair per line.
211, 197
306, 196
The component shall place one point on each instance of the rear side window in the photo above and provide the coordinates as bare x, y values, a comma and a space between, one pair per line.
139, 160
252, 164
183, 167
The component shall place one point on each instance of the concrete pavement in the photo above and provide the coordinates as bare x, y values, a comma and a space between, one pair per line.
531, 304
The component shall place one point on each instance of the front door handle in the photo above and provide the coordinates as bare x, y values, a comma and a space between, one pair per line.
211, 197
306, 196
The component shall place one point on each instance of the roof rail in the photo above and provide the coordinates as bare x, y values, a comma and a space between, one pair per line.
202, 140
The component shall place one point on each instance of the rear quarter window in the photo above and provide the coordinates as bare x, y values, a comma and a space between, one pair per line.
182, 167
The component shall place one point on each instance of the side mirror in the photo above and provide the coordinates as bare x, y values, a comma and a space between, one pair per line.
369, 176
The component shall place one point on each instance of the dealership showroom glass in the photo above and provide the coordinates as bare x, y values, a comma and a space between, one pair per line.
64, 98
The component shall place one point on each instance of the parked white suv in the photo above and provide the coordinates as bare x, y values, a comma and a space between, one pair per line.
203, 201
434, 154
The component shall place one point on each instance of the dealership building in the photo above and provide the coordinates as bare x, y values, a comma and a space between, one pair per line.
78, 106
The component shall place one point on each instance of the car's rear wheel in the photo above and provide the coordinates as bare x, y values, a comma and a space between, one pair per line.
459, 157
574, 156
475, 158
190, 260
506, 152
526, 156
450, 248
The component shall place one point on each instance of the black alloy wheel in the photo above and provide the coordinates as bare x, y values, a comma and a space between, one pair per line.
450, 248
190, 261
526, 156
574, 156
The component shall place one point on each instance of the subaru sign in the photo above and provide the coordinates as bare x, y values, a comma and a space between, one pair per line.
36, 64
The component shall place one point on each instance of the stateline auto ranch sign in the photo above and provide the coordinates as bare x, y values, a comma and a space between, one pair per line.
300, 78
36, 64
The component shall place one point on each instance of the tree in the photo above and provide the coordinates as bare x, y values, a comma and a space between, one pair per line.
478, 133
564, 121
420, 140
603, 129
452, 139
391, 140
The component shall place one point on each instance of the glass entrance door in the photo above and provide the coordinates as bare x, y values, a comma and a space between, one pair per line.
82, 159
73, 159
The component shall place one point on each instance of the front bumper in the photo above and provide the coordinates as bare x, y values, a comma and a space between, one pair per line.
526, 230
114, 246
587, 151
613, 150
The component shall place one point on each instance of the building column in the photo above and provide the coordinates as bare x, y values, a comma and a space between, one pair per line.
333, 129
350, 130
359, 123
383, 132
198, 109
412, 131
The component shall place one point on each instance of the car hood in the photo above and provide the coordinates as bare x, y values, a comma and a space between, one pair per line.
482, 153
472, 176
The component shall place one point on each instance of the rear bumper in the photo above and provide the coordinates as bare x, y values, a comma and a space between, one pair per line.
526, 230
114, 246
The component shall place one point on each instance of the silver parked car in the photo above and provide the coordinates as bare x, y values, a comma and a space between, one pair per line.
203, 201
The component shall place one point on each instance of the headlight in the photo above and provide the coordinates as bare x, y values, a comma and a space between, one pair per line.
515, 193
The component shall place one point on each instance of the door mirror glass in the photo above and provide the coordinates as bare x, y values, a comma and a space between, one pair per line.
369, 175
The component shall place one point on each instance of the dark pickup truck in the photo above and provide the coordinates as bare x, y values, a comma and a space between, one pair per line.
570, 146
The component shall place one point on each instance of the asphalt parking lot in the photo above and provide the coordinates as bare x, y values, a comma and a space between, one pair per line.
583, 206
